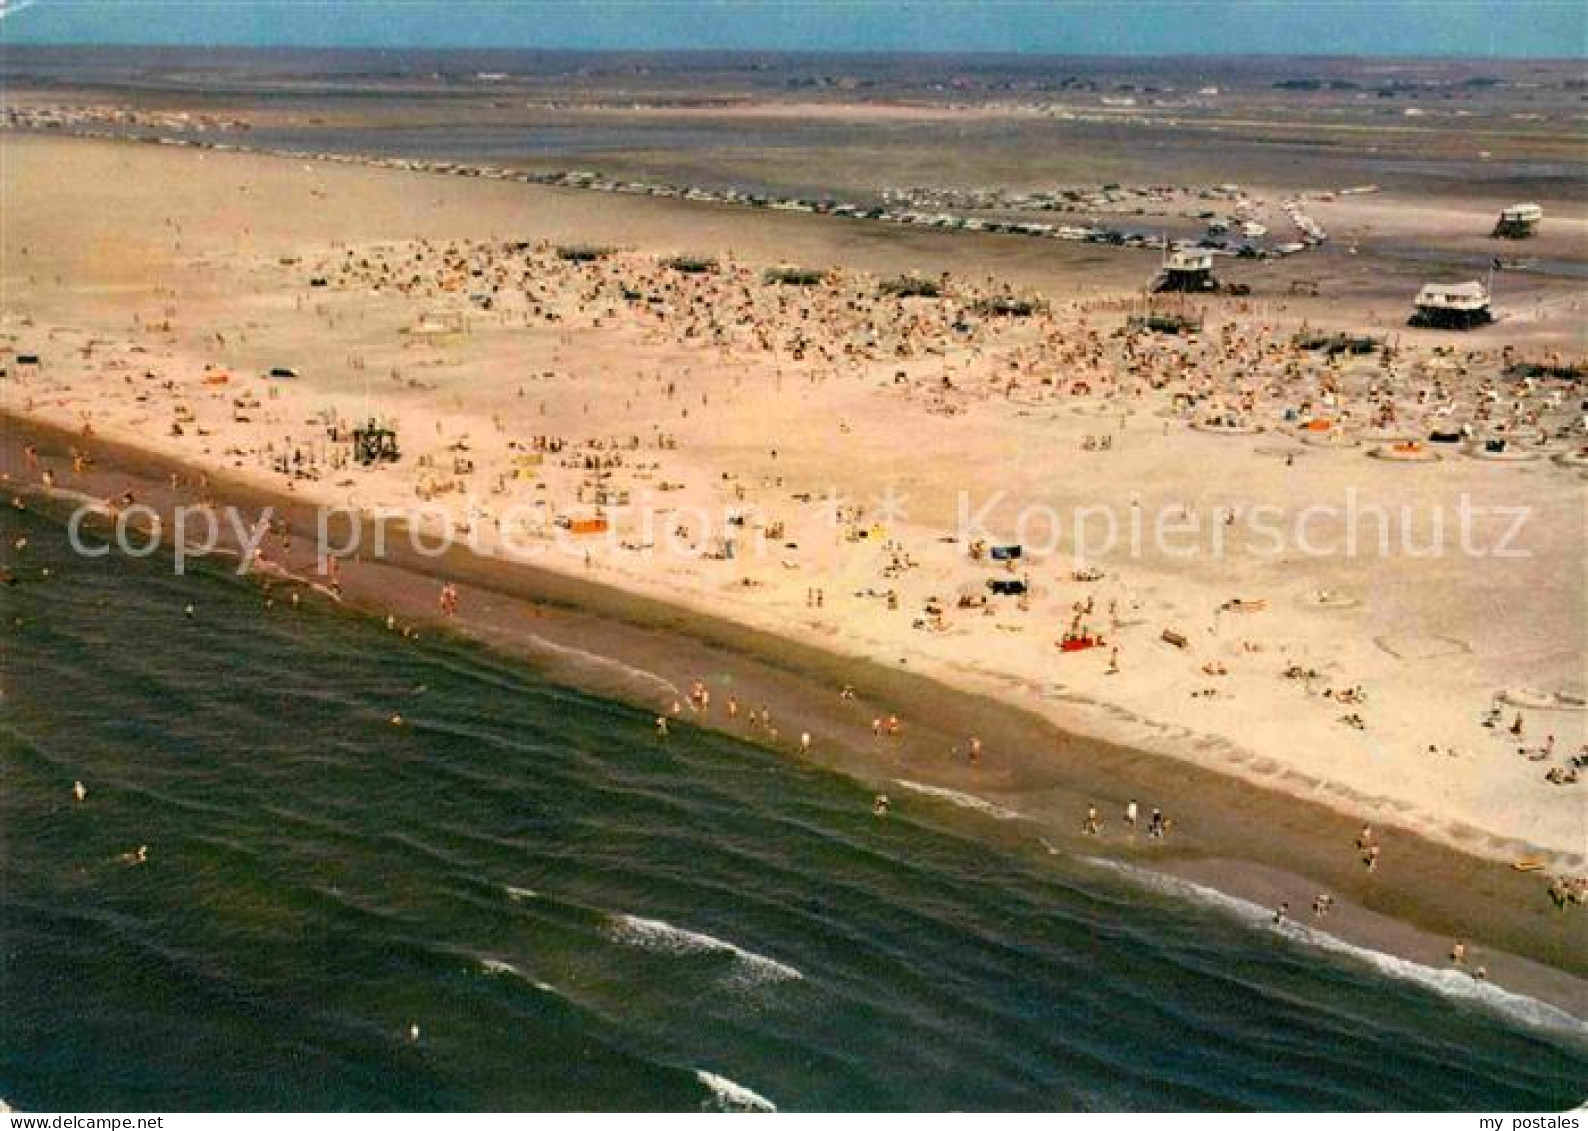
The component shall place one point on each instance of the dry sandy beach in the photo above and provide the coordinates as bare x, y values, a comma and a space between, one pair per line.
1271, 702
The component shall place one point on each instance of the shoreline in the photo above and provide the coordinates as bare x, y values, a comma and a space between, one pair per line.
1236, 837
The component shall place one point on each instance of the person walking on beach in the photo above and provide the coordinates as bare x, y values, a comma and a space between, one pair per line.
1092, 826
1458, 954
1130, 814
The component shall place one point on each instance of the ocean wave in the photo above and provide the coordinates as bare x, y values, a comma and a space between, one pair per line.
267, 568
92, 503
1448, 982
729, 1096
664, 938
496, 968
610, 663
963, 800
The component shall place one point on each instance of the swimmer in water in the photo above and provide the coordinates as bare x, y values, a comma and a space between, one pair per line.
132, 859
879, 805
79, 791
661, 725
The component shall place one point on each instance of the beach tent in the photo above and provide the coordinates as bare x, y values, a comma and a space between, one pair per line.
583, 524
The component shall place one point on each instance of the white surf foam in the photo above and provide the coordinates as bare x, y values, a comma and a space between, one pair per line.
729, 1096
517, 894
963, 800
496, 968
1447, 982
609, 663
90, 503
664, 938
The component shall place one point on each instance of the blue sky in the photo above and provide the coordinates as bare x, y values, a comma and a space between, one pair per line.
1556, 28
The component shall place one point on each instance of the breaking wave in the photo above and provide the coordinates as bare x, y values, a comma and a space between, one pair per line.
634, 675
664, 938
963, 800
496, 968
1448, 983
729, 1096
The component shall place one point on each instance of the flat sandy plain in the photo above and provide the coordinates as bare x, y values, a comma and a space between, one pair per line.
123, 260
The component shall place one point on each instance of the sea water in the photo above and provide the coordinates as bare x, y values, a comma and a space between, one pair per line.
522, 897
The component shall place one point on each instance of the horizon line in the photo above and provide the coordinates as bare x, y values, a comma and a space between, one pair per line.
1254, 53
